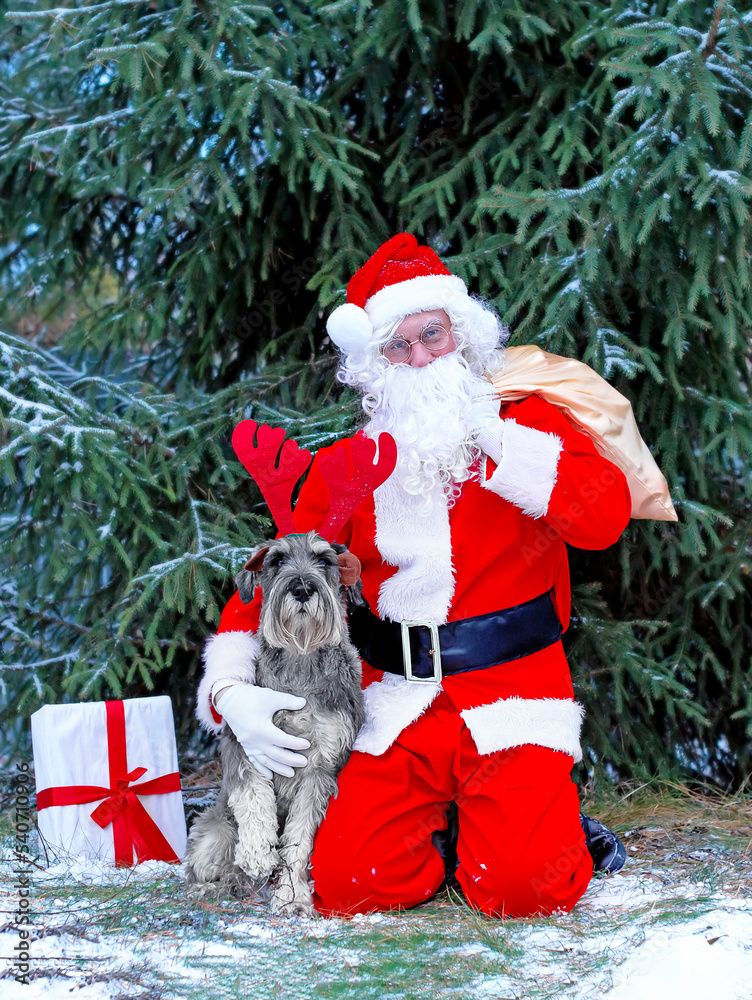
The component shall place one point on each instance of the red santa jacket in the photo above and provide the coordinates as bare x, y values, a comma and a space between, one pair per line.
501, 543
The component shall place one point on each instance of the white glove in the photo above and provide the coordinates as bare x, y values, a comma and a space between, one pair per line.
248, 711
489, 439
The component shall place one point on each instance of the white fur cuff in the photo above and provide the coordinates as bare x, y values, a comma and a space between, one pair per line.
229, 656
391, 704
527, 472
513, 722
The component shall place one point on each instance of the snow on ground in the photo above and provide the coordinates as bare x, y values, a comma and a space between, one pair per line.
634, 936
709, 957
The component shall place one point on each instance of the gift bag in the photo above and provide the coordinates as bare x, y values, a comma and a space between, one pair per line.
597, 409
107, 780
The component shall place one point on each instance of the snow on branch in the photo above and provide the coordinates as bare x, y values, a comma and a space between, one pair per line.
33, 137
68, 12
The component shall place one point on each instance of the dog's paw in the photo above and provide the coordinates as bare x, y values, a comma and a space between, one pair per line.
220, 880
291, 896
283, 906
257, 860
294, 909
205, 874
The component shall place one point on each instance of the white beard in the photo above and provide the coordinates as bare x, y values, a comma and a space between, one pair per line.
431, 413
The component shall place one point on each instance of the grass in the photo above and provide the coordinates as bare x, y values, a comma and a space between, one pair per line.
139, 935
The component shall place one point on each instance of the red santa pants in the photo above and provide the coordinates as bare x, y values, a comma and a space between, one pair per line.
521, 848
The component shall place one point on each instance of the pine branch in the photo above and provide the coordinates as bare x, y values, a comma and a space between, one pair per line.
186, 191
708, 48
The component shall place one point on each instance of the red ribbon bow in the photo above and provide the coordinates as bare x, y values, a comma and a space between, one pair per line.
132, 826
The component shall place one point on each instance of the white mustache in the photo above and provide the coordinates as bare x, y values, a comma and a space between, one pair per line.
429, 413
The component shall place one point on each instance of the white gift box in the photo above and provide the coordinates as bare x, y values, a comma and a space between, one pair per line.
84, 749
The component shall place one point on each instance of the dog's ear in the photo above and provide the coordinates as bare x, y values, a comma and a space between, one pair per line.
247, 578
349, 568
256, 559
349, 575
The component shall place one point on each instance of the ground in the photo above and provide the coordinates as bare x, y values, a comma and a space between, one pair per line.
677, 922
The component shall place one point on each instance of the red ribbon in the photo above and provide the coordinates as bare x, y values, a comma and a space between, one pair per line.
132, 826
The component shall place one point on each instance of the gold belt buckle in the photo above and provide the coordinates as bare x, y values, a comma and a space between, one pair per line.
435, 651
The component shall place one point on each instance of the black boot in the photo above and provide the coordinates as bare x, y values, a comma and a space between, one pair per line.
445, 842
606, 850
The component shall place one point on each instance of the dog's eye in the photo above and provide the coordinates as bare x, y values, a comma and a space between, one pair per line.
323, 562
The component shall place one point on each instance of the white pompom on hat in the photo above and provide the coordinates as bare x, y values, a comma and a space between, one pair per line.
399, 279
349, 327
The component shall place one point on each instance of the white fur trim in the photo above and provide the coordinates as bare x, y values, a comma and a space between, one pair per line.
513, 722
418, 542
527, 472
429, 291
391, 704
349, 327
228, 656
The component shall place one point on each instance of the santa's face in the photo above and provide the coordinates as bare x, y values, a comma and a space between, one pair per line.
424, 336
427, 408
429, 396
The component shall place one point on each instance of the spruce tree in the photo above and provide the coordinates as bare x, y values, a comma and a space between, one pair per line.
186, 188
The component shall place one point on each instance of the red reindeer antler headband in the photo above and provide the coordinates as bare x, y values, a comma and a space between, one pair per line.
258, 448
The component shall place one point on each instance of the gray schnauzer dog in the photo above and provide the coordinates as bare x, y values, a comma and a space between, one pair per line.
263, 828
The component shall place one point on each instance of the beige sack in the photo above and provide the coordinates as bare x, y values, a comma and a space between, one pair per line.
595, 408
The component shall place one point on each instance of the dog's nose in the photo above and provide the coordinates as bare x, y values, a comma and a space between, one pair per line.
301, 591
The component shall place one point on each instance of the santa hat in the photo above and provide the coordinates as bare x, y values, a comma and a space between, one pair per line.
399, 279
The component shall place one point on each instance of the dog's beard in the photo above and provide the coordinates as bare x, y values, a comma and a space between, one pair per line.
288, 624
428, 411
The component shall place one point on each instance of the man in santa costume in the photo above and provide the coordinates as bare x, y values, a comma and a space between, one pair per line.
467, 539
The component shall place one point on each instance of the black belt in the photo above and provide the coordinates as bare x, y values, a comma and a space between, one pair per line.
424, 651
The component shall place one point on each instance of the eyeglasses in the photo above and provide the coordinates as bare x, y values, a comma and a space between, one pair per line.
433, 337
